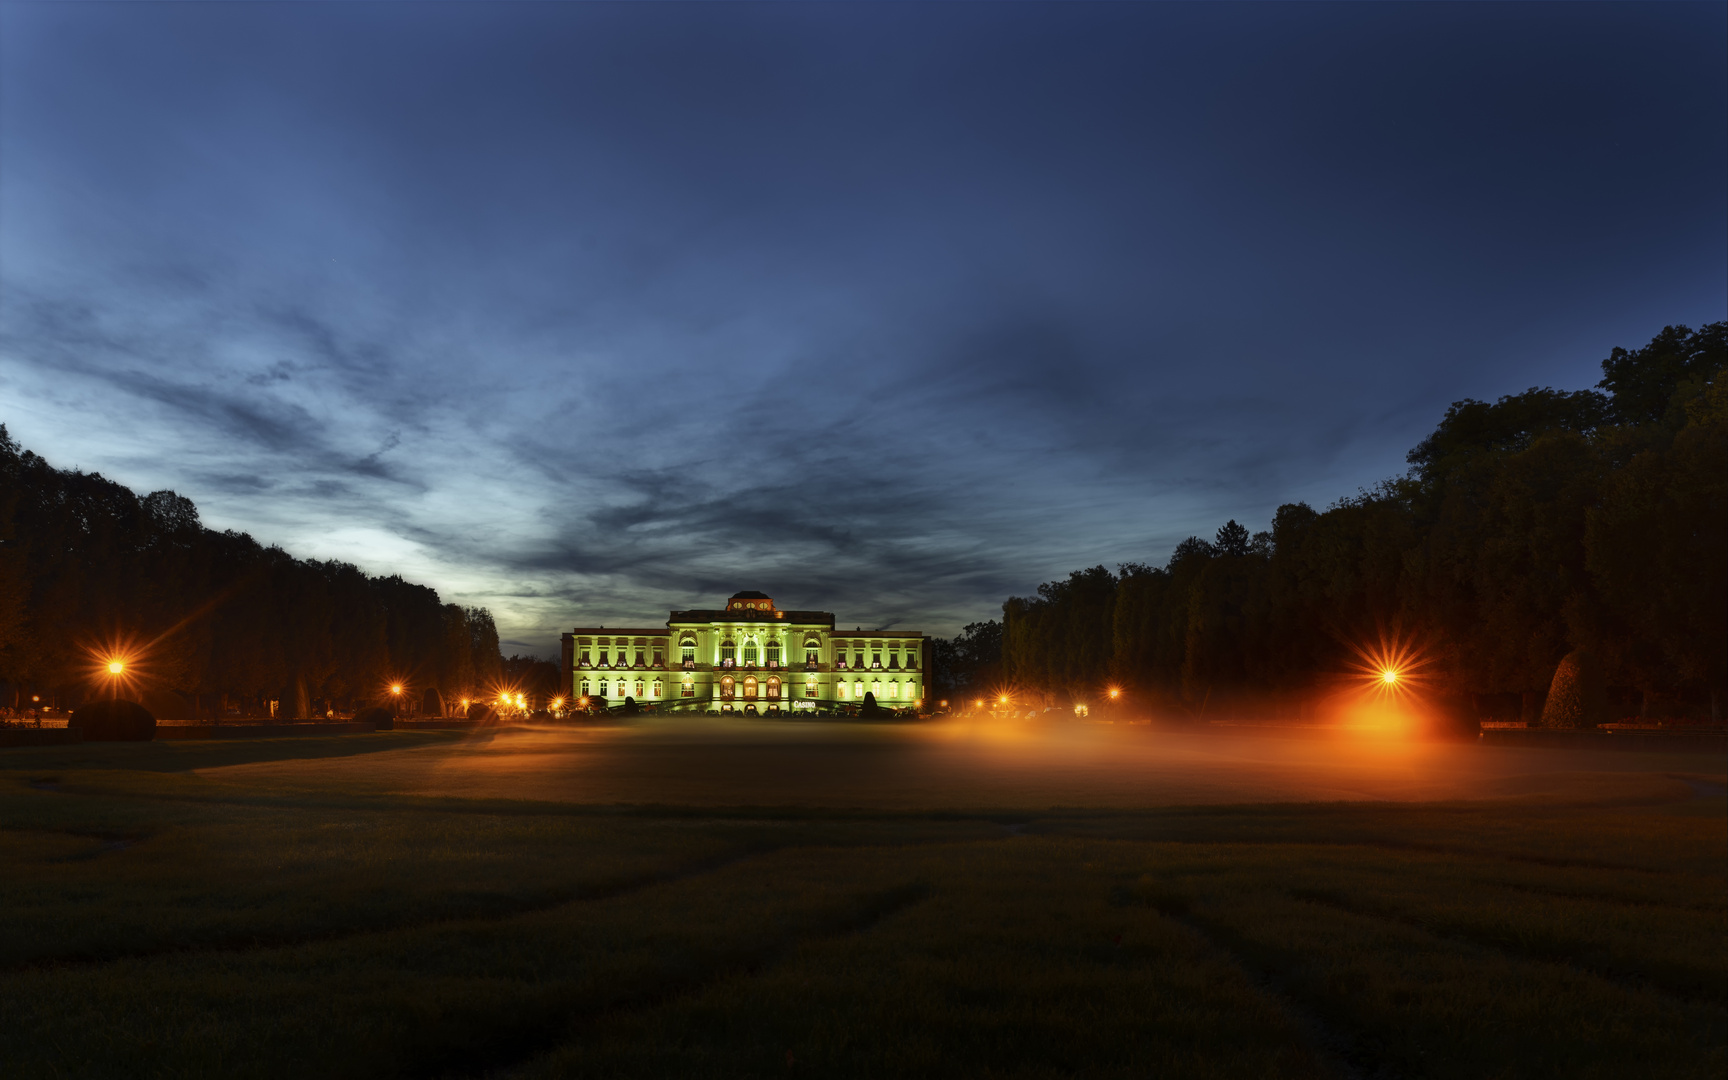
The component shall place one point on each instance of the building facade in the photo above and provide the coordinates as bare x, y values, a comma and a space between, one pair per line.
749, 657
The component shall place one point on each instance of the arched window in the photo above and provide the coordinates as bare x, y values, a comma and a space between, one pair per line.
773, 654
687, 688
726, 687
749, 686
773, 687
750, 653
812, 651
687, 652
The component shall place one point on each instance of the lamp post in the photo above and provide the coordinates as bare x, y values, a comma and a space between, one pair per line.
116, 668
396, 699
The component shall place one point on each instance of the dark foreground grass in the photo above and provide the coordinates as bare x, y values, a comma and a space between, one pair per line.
154, 922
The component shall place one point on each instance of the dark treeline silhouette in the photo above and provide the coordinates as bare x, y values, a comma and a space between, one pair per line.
1587, 526
210, 619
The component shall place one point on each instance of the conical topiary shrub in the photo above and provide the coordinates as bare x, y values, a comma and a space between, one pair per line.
116, 720
1578, 696
378, 716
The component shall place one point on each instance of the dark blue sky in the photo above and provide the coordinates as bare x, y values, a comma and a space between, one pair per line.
585, 312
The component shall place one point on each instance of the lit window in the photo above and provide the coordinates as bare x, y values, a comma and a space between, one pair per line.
893, 691
810, 688
773, 654
658, 688
584, 687
749, 654
841, 688
728, 653
858, 689
774, 688
876, 687
689, 687
640, 688
688, 651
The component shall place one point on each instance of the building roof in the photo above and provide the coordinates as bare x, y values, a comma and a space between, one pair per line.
622, 631
727, 615
749, 594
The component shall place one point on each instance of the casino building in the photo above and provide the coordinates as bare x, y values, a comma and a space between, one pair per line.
748, 657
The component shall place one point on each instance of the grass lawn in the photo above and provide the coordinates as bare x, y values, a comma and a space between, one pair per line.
429, 904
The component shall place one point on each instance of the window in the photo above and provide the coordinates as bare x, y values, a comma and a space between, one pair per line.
893, 691
750, 686
688, 687
876, 660
773, 654
728, 654
687, 653
584, 687
809, 687
811, 657
602, 658
640, 688
774, 688
638, 657
659, 688
585, 661
749, 654
726, 687
659, 657
858, 690
876, 688
840, 690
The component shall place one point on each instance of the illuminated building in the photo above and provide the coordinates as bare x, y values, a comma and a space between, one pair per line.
748, 657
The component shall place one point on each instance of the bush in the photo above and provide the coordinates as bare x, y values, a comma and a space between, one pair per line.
378, 716
117, 720
482, 714
1577, 698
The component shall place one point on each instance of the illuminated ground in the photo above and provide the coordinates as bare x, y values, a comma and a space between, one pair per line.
666, 900
955, 765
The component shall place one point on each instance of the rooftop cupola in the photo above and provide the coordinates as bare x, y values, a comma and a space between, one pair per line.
750, 601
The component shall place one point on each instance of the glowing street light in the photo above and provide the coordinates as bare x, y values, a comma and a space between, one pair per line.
115, 667
1115, 692
1389, 676
396, 688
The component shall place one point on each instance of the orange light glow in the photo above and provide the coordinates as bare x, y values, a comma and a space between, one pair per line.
115, 667
396, 688
1115, 692
1388, 676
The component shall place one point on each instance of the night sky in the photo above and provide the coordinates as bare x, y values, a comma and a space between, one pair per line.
585, 312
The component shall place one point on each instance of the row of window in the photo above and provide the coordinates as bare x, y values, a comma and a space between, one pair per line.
750, 688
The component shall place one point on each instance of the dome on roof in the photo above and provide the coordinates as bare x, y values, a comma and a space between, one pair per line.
750, 594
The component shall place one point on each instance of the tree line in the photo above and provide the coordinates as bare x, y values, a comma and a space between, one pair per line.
206, 619
1585, 526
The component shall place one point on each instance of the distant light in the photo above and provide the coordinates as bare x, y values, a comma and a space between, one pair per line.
1388, 676
1115, 692
115, 667
396, 688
